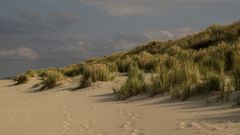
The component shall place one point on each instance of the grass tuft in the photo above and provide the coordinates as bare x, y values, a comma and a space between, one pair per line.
21, 79
94, 73
134, 85
52, 79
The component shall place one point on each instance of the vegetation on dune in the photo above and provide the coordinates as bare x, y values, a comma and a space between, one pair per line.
198, 64
124, 63
236, 78
21, 79
192, 66
51, 79
134, 85
94, 73
73, 70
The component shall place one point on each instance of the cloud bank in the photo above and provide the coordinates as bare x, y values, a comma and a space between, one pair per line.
21, 53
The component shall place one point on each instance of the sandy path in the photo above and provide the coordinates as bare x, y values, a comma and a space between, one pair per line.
94, 111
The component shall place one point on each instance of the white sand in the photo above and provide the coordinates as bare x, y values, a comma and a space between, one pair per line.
94, 111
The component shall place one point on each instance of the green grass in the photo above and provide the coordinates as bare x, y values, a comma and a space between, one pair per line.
124, 63
51, 80
73, 70
194, 65
236, 78
160, 83
177, 81
145, 61
94, 73
134, 85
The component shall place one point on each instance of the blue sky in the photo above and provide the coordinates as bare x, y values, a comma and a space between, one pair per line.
42, 33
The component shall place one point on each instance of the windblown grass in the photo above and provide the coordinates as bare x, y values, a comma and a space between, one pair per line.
124, 63
51, 80
191, 66
94, 73
73, 70
177, 81
236, 78
134, 85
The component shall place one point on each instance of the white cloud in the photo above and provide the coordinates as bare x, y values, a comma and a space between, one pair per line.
22, 53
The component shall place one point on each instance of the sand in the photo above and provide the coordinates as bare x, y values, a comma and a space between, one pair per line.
95, 111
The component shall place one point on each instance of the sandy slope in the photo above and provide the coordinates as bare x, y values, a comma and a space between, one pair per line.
95, 111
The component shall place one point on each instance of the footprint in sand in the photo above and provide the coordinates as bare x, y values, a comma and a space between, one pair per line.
94, 111
87, 128
67, 119
202, 127
130, 125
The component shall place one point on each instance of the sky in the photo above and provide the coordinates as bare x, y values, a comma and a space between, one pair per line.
54, 33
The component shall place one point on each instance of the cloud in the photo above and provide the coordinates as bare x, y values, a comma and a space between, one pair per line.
86, 48
12, 27
146, 7
22, 53
54, 18
28, 22
168, 34
76, 46
19, 27
120, 44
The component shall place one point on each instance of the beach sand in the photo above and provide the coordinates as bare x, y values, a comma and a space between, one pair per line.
95, 111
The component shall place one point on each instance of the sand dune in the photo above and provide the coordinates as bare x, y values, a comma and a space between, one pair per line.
95, 111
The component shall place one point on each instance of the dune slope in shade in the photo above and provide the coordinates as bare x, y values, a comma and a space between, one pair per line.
95, 111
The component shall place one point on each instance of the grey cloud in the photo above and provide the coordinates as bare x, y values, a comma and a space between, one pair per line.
54, 18
12, 27
30, 22
22, 53
146, 7
86, 48
19, 27
168, 34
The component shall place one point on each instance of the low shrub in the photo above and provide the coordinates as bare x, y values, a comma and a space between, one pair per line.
21, 79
